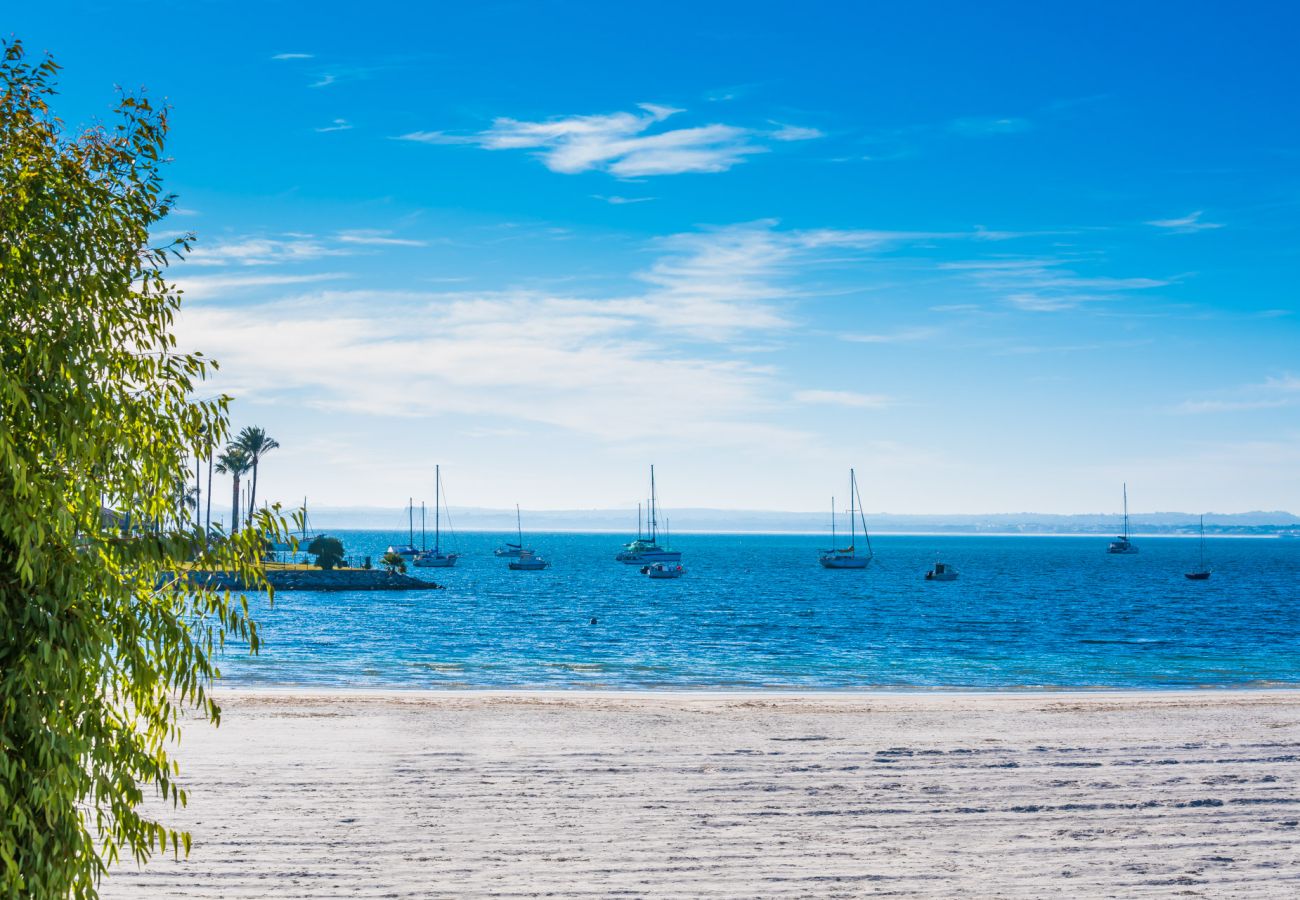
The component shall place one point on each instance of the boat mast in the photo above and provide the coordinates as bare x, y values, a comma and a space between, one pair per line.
437, 508
638, 520
866, 536
833, 538
519, 525
1126, 510
424, 542
1202, 543
853, 525
410, 521
654, 521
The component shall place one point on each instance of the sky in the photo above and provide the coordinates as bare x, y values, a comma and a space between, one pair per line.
998, 257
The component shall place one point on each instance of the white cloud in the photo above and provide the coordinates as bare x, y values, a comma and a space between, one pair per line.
844, 398
1273, 392
906, 335
1187, 224
283, 56
374, 237
198, 287
1047, 285
624, 144
325, 81
336, 125
262, 251
796, 133
620, 201
981, 126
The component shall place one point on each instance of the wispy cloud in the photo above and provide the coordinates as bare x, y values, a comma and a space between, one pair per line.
983, 126
374, 237
625, 144
904, 336
262, 251
844, 398
336, 125
1187, 224
283, 56
324, 81
620, 201
1274, 392
1047, 284
796, 133
200, 287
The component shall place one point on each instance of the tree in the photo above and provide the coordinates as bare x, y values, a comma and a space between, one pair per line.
327, 550
255, 443
103, 647
393, 562
234, 461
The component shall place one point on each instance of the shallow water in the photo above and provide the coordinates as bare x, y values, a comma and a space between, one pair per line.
757, 611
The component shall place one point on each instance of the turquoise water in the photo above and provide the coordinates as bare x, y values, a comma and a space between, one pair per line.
757, 611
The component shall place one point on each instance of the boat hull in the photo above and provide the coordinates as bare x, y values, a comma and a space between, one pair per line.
649, 557
1121, 548
1196, 576
527, 566
845, 562
445, 561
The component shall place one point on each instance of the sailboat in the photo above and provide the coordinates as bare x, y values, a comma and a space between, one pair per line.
1122, 544
512, 550
1200, 573
645, 550
435, 558
848, 557
664, 569
407, 549
526, 559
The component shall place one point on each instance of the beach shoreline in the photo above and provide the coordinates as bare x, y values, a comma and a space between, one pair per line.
330, 793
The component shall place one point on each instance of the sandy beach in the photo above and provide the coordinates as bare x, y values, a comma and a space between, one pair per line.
427, 794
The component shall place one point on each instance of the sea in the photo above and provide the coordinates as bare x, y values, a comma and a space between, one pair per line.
757, 612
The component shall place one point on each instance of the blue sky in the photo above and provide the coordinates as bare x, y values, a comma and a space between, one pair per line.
1000, 257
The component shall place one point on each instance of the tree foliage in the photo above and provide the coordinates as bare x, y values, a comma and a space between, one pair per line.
393, 562
327, 550
104, 642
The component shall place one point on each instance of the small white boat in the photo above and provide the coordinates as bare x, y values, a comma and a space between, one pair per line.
435, 558
664, 570
528, 561
848, 558
1201, 572
407, 549
941, 572
1122, 544
645, 549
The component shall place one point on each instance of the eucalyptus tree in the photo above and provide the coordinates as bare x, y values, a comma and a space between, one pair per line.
103, 646
256, 443
234, 461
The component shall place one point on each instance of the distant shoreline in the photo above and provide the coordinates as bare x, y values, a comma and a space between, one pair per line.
1136, 535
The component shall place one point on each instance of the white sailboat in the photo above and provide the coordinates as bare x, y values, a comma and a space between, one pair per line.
435, 558
1122, 544
646, 550
1201, 572
525, 559
407, 549
510, 550
848, 557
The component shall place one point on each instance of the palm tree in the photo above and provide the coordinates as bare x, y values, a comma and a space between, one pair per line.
235, 462
255, 442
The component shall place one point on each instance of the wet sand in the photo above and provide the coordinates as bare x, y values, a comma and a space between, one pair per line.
503, 794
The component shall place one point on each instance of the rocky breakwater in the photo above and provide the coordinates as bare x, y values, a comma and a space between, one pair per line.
322, 580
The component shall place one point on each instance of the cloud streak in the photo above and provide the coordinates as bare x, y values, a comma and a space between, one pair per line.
1188, 224
624, 144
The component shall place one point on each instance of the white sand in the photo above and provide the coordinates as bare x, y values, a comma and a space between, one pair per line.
690, 795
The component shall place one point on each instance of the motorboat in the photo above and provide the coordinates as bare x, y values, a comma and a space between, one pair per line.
436, 558
1122, 544
664, 570
848, 557
941, 572
528, 561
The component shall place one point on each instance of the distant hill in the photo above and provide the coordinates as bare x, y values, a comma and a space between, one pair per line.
753, 521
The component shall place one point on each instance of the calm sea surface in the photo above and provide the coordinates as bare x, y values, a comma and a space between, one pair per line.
757, 611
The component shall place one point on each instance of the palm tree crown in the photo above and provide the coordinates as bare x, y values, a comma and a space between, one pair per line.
256, 443
236, 462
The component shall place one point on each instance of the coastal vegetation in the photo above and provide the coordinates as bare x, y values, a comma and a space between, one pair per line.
393, 562
327, 550
102, 648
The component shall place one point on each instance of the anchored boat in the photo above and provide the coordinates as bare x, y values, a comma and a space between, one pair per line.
435, 558
941, 572
407, 549
1122, 544
1201, 572
849, 558
645, 549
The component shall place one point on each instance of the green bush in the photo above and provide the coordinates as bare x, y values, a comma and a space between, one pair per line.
327, 550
